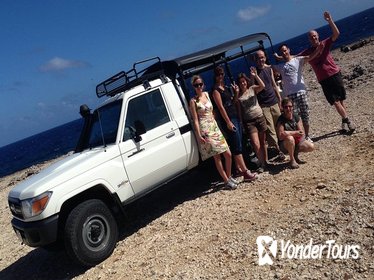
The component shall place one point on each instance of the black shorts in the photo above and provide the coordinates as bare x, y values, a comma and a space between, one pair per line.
333, 88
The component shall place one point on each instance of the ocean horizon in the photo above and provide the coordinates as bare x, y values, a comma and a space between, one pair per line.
62, 139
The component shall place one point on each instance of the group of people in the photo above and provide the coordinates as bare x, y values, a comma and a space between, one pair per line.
253, 105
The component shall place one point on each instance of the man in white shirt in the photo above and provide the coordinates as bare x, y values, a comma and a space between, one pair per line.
294, 87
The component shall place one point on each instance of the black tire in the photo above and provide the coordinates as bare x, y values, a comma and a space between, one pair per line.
91, 233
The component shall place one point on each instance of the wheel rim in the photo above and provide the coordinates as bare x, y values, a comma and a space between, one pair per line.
96, 232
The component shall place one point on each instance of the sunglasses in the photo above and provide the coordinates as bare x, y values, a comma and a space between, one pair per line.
198, 85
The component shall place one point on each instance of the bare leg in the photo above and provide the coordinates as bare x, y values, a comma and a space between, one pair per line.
239, 162
289, 144
305, 147
340, 108
342, 102
263, 146
306, 128
255, 142
219, 166
228, 163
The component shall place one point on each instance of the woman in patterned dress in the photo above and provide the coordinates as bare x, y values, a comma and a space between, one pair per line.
210, 139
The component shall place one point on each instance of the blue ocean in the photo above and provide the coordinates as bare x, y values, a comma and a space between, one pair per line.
63, 139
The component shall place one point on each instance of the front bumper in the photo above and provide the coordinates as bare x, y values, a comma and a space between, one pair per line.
37, 233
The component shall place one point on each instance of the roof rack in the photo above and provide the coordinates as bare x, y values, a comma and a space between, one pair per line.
185, 66
125, 80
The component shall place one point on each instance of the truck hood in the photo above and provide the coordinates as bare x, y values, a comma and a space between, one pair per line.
62, 171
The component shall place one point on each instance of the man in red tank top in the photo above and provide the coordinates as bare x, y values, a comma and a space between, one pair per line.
328, 73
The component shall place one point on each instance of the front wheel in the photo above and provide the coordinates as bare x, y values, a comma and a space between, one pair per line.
91, 233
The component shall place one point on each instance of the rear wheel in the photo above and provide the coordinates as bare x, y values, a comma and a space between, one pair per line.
91, 233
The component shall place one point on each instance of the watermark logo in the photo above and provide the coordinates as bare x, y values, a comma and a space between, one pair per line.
268, 248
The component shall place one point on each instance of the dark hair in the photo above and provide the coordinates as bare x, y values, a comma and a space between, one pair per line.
244, 76
283, 45
218, 70
285, 101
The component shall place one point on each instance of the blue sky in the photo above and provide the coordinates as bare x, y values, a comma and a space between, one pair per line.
53, 53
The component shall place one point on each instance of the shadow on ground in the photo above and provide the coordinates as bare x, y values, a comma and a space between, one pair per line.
43, 264
331, 134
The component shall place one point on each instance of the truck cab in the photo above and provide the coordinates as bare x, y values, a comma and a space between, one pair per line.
148, 127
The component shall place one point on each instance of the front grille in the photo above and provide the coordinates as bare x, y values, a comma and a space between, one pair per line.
15, 207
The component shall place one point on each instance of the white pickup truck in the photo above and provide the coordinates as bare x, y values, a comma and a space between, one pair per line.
140, 138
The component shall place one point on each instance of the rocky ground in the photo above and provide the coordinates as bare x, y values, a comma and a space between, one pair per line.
188, 230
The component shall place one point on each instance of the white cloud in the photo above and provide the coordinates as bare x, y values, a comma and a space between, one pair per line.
60, 64
251, 13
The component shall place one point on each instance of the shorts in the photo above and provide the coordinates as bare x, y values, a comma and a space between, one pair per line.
333, 88
255, 125
301, 105
283, 148
233, 138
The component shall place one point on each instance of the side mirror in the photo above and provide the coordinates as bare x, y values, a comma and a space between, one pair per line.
139, 126
137, 138
137, 130
84, 111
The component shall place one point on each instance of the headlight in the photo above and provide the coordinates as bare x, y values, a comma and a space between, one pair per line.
34, 206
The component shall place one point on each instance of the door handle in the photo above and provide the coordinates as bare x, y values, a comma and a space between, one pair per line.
171, 134
136, 152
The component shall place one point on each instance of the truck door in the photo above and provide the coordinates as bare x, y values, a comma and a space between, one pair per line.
152, 149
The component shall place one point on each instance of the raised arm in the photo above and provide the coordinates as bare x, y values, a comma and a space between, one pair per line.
277, 56
260, 86
235, 87
334, 28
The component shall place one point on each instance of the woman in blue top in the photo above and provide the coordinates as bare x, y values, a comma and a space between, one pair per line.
228, 118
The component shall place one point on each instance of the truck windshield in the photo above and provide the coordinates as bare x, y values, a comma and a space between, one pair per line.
104, 125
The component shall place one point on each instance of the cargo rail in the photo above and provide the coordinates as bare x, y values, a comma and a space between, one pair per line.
184, 66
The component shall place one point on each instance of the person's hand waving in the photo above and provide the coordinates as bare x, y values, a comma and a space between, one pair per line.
327, 16
253, 71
